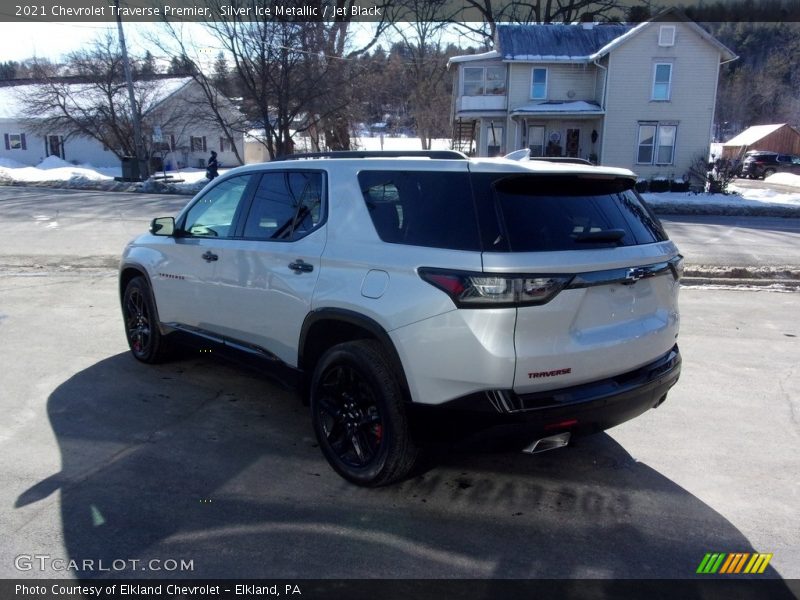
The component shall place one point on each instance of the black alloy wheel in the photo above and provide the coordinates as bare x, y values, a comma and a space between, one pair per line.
141, 327
349, 416
358, 414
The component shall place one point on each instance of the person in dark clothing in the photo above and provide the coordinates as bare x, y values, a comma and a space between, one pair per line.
213, 165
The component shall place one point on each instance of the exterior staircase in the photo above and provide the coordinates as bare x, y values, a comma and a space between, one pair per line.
464, 136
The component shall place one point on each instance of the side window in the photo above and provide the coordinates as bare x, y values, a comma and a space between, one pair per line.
539, 83
214, 213
662, 79
421, 208
473, 81
647, 140
287, 206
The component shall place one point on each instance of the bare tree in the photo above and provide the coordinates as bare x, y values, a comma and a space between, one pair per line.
91, 101
293, 76
211, 106
427, 66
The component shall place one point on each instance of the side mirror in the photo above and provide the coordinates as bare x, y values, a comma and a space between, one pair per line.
163, 226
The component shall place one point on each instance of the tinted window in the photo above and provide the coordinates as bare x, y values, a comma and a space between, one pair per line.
286, 206
544, 213
421, 208
214, 213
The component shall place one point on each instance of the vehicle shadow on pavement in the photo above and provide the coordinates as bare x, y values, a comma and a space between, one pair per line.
200, 461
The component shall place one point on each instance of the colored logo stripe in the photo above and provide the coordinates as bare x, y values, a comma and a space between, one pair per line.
758, 564
733, 563
710, 563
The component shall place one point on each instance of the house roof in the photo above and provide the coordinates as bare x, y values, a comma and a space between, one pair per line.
12, 101
470, 57
555, 42
584, 42
753, 134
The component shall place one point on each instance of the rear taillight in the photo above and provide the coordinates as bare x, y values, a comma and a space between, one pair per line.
481, 290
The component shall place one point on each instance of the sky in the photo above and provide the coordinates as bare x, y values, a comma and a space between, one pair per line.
19, 41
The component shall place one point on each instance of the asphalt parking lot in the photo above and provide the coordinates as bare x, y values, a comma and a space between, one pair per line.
202, 461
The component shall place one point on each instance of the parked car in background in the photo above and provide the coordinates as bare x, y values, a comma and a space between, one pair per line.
758, 164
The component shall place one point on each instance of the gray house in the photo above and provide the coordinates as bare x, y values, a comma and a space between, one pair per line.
640, 97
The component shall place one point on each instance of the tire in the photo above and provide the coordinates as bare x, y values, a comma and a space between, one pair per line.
767, 173
145, 339
359, 417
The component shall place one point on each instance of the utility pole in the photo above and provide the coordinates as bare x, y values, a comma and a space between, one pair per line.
141, 165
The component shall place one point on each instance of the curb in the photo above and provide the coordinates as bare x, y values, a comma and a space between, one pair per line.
772, 210
775, 284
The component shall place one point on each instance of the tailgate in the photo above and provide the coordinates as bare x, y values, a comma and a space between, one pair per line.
604, 324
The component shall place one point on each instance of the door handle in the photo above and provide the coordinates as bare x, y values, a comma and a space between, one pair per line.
300, 266
209, 256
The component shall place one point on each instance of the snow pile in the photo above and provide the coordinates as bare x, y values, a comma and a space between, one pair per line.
745, 201
53, 162
789, 179
10, 164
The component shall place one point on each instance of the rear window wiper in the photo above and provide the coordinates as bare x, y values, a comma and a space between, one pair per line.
604, 235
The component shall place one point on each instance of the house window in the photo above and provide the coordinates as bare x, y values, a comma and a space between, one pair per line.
197, 144
656, 144
165, 144
539, 83
662, 78
225, 145
536, 140
15, 141
666, 35
484, 81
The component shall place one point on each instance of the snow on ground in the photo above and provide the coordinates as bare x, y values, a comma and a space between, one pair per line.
789, 179
54, 172
745, 197
398, 143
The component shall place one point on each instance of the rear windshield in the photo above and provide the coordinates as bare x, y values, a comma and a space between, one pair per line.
501, 212
539, 213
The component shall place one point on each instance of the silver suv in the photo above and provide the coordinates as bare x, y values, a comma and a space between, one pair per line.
403, 291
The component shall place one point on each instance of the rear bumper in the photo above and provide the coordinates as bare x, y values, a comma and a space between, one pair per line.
581, 410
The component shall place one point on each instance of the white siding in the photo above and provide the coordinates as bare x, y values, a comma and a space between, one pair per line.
76, 150
691, 106
182, 115
565, 83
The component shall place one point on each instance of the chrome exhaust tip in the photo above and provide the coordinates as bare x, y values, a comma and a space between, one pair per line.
548, 443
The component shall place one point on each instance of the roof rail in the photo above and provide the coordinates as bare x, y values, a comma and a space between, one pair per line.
446, 154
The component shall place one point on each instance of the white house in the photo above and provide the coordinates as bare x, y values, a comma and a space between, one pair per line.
640, 97
177, 124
